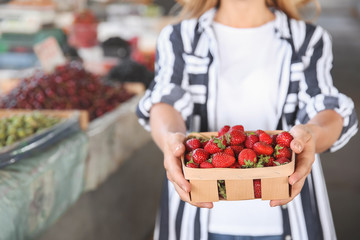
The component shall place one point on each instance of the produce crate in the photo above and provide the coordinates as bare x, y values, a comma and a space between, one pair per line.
25, 148
113, 137
238, 182
83, 115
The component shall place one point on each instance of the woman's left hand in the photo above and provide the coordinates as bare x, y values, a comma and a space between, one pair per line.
303, 145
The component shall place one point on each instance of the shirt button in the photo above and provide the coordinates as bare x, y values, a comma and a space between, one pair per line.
287, 237
284, 206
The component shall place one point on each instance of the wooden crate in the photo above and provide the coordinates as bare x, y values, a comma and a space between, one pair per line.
83, 115
238, 182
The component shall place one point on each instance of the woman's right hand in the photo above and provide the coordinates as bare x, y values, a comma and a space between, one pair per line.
174, 148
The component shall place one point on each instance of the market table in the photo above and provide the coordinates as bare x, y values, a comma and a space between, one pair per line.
36, 191
113, 137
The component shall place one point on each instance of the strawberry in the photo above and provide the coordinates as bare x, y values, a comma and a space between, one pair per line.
235, 137
282, 151
247, 158
206, 164
274, 139
262, 148
284, 139
266, 138
237, 149
250, 140
221, 189
204, 142
229, 151
192, 144
188, 156
222, 160
258, 132
199, 155
269, 161
223, 130
237, 127
281, 161
192, 165
235, 165
215, 145
257, 188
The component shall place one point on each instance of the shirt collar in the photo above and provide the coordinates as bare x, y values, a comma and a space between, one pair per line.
281, 22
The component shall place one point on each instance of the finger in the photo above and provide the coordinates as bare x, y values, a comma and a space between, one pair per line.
183, 195
186, 198
174, 173
295, 190
304, 162
301, 137
177, 144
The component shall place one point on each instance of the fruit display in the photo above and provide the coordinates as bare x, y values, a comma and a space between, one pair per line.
18, 127
239, 164
235, 148
68, 87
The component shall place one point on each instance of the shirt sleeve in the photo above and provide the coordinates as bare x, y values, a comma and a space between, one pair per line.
317, 92
169, 78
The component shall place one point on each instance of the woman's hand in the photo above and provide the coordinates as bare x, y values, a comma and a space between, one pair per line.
174, 148
304, 146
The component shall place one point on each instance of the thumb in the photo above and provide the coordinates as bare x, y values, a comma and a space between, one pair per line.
301, 137
177, 144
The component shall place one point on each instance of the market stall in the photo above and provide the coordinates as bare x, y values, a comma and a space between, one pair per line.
69, 59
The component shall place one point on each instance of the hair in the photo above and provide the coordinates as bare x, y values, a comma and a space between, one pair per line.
195, 8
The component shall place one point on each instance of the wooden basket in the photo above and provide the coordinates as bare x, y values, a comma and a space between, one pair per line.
238, 182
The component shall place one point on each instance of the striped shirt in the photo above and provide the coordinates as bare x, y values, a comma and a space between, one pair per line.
186, 74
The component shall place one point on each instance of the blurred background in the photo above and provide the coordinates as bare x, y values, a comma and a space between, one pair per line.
119, 187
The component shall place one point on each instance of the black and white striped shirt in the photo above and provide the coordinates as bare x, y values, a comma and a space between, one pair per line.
186, 78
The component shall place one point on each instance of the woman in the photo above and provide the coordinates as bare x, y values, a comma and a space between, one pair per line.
249, 62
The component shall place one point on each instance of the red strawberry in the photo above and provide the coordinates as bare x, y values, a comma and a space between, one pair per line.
269, 161
262, 148
235, 137
266, 138
237, 149
284, 138
281, 161
223, 130
200, 155
192, 144
222, 160
259, 131
237, 127
247, 158
221, 189
250, 140
282, 151
257, 188
215, 145
188, 156
274, 139
192, 165
204, 142
206, 164
229, 151
235, 165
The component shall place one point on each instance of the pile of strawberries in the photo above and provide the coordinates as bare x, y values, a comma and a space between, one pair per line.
233, 148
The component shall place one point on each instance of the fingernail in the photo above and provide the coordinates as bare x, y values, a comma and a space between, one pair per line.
298, 147
184, 188
177, 148
292, 181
